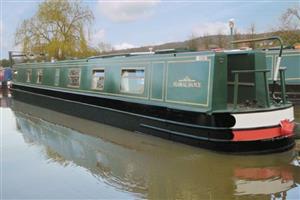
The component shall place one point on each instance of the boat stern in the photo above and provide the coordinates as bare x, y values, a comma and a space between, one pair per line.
264, 131
264, 125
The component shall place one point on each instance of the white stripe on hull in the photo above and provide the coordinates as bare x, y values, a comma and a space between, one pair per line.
262, 119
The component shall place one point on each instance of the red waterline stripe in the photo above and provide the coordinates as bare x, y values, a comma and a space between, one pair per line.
258, 134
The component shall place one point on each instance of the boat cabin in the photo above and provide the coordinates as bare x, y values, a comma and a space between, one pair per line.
207, 81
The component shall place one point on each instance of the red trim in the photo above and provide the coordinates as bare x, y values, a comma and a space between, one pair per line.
258, 134
264, 173
257, 173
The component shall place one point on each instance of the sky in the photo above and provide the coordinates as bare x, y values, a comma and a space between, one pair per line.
133, 23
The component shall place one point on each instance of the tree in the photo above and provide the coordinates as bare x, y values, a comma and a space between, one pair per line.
206, 41
5, 63
57, 29
252, 34
237, 36
104, 47
289, 28
291, 18
192, 43
221, 40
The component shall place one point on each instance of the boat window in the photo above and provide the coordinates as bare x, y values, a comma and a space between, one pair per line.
15, 74
74, 77
28, 75
56, 78
39, 76
98, 79
132, 81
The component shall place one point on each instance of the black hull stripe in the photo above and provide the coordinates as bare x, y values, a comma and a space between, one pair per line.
25, 88
134, 114
150, 121
183, 134
209, 139
163, 114
167, 121
80, 97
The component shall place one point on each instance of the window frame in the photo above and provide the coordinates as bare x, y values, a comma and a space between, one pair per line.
37, 76
92, 79
74, 86
28, 77
133, 68
15, 74
56, 81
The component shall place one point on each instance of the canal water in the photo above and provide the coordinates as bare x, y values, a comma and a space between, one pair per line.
50, 155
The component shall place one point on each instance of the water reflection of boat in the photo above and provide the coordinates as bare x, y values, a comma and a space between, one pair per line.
148, 166
267, 180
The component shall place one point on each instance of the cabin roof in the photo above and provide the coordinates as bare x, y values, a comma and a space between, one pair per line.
134, 57
120, 58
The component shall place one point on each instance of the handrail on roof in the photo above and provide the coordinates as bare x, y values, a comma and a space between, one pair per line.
160, 51
176, 50
262, 39
108, 56
121, 55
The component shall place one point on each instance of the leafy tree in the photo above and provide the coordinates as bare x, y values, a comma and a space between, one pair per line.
5, 63
57, 29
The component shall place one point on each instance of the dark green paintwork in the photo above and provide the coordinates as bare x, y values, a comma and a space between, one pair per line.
219, 90
157, 80
290, 60
260, 92
194, 70
204, 74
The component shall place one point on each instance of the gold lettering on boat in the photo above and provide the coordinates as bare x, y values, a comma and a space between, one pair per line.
187, 82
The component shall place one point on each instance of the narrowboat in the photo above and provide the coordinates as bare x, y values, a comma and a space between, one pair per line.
215, 100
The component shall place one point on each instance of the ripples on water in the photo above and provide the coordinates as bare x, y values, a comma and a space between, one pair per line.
46, 154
